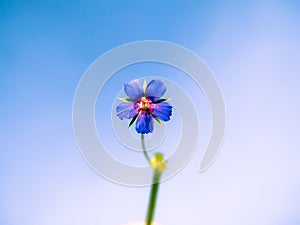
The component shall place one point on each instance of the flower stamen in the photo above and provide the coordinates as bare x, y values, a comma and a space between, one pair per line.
144, 104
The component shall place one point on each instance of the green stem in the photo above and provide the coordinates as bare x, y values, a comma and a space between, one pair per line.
144, 148
153, 197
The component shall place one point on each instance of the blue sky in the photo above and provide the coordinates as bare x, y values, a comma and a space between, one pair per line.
251, 46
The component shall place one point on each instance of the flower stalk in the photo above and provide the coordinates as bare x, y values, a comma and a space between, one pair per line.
144, 148
159, 165
153, 196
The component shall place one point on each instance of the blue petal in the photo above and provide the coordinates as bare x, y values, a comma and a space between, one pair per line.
126, 110
144, 123
155, 88
134, 90
162, 111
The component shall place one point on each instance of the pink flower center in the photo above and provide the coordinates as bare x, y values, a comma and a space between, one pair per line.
144, 104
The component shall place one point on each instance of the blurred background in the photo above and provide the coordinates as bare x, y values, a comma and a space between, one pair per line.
251, 46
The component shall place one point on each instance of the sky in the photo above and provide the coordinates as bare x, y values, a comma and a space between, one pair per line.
252, 48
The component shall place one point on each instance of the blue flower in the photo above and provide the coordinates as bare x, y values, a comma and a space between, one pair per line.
144, 104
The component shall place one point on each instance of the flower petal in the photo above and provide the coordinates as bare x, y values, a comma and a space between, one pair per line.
155, 88
134, 90
162, 111
144, 123
126, 110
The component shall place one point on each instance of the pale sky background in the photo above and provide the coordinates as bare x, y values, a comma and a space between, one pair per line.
251, 46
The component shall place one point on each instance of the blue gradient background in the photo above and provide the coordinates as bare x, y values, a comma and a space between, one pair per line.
252, 47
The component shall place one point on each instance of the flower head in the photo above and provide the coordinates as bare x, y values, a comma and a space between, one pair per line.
144, 104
